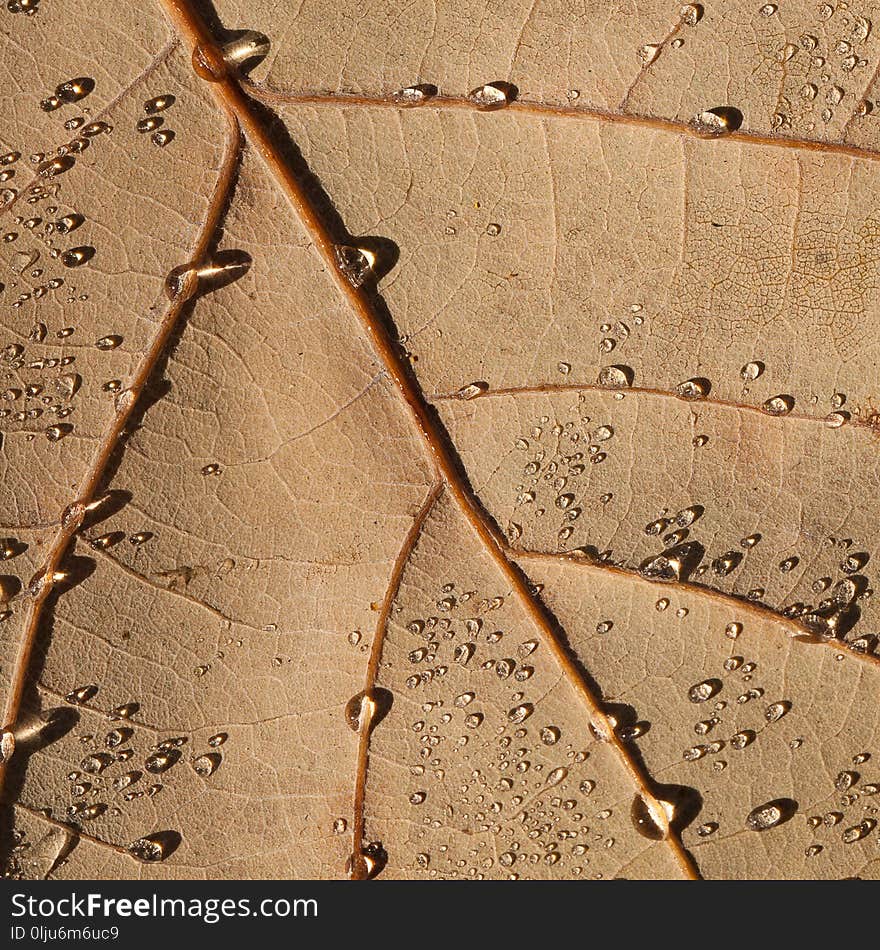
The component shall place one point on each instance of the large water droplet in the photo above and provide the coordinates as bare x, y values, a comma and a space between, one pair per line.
493, 95
154, 847
697, 388
713, 123
651, 817
364, 710
416, 95
771, 814
355, 264
779, 405
615, 377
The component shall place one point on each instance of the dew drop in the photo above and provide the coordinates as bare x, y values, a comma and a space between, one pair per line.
733, 630
355, 265
73, 90
70, 222
520, 713
416, 95
472, 390
108, 342
859, 831
207, 764
154, 847
493, 95
713, 123
550, 735
363, 711
770, 815
651, 817
7, 745
701, 692
691, 13
697, 388
615, 377
775, 711
158, 104
77, 256
649, 52
779, 405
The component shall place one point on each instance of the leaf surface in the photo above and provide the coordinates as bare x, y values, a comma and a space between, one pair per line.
546, 550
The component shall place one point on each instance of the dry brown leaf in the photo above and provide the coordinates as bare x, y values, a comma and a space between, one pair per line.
547, 550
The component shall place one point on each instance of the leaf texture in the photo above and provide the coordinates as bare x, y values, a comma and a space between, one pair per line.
530, 536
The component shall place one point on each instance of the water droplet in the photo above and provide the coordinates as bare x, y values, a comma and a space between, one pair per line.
57, 432
733, 630
364, 710
859, 831
615, 377
70, 222
713, 123
550, 735
154, 847
770, 815
160, 762
207, 764
92, 129
775, 711
651, 817
701, 692
356, 265
697, 388
7, 745
416, 95
649, 52
108, 342
493, 95
73, 90
740, 740
845, 780
778, 405
208, 63
752, 370
77, 256
158, 104
95, 763
691, 13
472, 390
520, 713
82, 694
